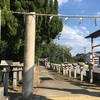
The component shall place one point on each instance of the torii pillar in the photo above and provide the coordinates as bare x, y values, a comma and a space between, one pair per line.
29, 53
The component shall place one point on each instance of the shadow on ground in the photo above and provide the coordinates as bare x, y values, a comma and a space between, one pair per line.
14, 95
85, 85
45, 78
39, 97
74, 91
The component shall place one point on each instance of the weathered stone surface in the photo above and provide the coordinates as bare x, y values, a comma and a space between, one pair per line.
74, 64
1, 91
69, 65
5, 79
81, 63
6, 62
2, 97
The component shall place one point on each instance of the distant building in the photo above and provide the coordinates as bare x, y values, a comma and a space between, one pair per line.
96, 58
79, 55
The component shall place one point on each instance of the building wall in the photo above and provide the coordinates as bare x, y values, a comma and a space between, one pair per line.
89, 59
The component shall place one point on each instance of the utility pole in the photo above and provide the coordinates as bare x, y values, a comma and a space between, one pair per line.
29, 52
92, 47
63, 56
84, 50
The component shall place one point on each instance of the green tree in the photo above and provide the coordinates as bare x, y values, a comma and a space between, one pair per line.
79, 58
55, 52
10, 30
13, 25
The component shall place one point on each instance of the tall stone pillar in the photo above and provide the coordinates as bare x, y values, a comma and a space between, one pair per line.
29, 54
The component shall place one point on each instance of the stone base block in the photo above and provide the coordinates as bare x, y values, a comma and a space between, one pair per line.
4, 98
1, 92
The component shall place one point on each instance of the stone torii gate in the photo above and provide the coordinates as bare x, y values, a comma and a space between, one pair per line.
29, 50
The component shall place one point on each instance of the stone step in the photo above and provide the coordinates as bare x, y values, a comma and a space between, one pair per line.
4, 98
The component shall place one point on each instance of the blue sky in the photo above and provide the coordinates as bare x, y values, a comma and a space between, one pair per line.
73, 33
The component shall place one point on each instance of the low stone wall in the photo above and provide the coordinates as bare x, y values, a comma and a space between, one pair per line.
96, 76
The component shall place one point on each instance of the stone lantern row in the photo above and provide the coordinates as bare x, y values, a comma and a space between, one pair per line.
55, 67
17, 71
68, 67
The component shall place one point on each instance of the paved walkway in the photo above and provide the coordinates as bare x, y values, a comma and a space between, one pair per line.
52, 87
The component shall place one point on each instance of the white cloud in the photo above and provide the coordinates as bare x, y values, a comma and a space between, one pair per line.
85, 29
98, 13
61, 2
78, 0
74, 37
83, 11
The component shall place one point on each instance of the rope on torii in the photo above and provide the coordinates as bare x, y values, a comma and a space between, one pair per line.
61, 15
54, 15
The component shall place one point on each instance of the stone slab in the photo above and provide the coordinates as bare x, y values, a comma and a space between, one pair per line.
4, 98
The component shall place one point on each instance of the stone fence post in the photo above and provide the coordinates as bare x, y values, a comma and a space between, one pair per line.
67, 70
15, 70
6, 69
70, 65
91, 72
59, 68
51, 65
74, 66
66, 67
64, 70
54, 67
20, 69
81, 70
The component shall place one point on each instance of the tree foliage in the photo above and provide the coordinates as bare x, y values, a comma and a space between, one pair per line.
56, 52
80, 58
13, 25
